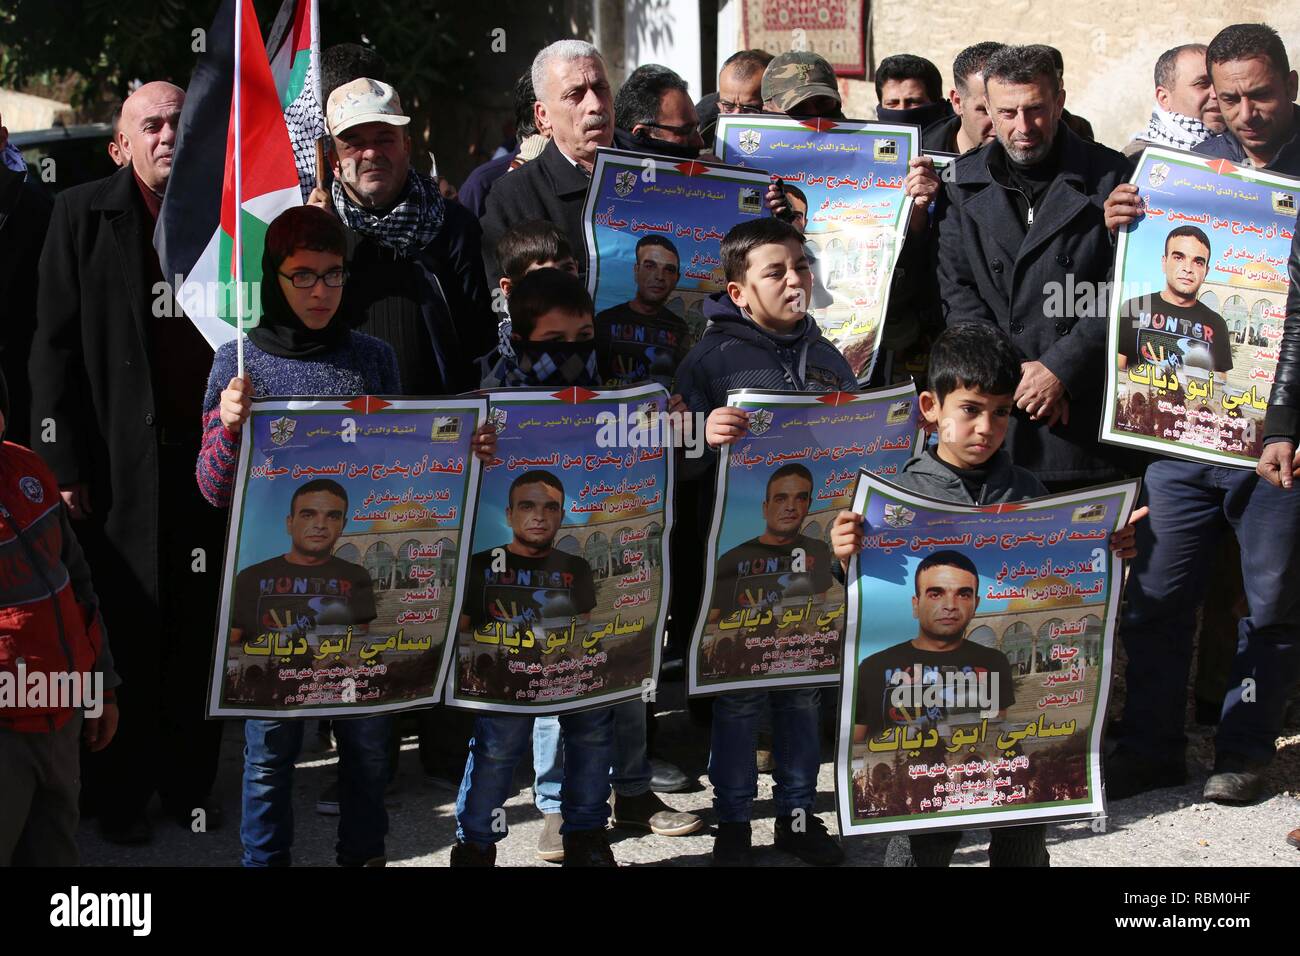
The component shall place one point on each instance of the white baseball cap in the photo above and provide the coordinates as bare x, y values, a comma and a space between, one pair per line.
363, 101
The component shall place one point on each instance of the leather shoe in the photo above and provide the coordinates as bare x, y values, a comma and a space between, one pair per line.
1235, 780
666, 778
646, 811
550, 845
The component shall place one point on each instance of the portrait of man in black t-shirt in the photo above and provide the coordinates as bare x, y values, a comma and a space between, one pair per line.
946, 598
780, 566
528, 591
307, 588
641, 340
1173, 329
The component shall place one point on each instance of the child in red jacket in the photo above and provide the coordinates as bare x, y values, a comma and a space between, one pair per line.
56, 673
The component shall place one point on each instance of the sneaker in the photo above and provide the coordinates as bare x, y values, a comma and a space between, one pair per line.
588, 848
812, 843
666, 778
647, 812
733, 845
1126, 773
550, 845
471, 854
1235, 780
328, 802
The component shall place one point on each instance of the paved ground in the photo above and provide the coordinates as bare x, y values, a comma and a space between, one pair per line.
1172, 827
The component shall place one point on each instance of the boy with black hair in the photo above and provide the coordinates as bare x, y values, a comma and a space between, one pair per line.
974, 371
528, 246
761, 336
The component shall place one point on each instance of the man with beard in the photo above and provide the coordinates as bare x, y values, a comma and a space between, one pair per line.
416, 281
1018, 219
640, 340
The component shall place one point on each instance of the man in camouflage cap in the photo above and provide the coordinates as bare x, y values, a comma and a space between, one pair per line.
801, 84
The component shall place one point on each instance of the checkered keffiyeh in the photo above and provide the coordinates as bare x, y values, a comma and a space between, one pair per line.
406, 228
559, 364
1175, 130
306, 122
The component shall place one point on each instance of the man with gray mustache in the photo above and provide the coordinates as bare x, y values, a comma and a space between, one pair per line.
575, 105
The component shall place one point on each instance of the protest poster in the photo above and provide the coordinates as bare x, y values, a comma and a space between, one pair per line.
850, 176
566, 594
978, 659
772, 614
654, 229
1198, 306
344, 545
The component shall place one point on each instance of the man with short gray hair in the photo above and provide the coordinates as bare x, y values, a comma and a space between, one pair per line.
576, 105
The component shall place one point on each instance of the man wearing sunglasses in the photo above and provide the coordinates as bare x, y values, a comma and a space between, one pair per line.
653, 113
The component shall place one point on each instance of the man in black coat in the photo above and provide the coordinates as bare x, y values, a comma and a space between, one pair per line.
415, 260
117, 384
1193, 503
575, 102
24, 217
1023, 244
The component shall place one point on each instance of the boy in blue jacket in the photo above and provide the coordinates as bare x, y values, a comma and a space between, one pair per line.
761, 336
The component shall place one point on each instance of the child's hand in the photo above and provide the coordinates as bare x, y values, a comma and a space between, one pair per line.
236, 403
726, 425
484, 442
1124, 541
847, 536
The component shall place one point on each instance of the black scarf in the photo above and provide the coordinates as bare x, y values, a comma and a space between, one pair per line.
921, 116
641, 142
280, 332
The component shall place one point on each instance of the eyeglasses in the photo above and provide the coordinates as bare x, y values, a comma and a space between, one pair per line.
726, 106
305, 279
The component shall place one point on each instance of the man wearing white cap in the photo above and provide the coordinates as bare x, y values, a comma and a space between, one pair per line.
417, 278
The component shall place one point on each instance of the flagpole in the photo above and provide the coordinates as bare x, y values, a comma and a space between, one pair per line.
319, 83
239, 193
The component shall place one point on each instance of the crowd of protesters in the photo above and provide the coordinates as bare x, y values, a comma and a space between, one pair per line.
384, 283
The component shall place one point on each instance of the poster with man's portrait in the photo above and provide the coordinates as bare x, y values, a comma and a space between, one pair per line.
1197, 308
342, 556
565, 597
978, 659
773, 613
654, 229
847, 179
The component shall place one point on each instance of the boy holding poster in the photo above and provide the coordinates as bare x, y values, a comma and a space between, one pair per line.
974, 371
762, 337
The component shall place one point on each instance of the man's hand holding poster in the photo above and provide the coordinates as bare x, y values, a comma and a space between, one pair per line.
564, 600
343, 550
1196, 316
978, 659
773, 614
851, 177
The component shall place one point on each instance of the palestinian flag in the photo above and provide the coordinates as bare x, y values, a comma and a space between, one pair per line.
289, 47
196, 229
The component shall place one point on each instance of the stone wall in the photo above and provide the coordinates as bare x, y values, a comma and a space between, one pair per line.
1109, 46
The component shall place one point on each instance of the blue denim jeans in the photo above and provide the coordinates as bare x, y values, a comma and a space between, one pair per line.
796, 745
548, 764
500, 741
270, 749
629, 772
1191, 504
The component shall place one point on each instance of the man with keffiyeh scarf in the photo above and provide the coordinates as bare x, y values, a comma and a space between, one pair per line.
1186, 111
417, 277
